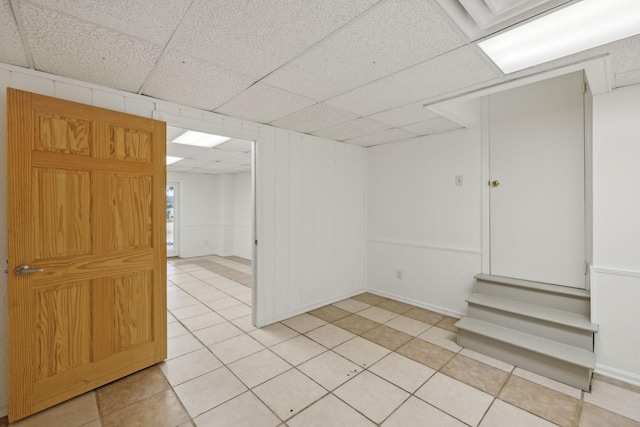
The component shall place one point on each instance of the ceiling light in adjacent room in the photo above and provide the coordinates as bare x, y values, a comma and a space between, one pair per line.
200, 139
171, 160
580, 26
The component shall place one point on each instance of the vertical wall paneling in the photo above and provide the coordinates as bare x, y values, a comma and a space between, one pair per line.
72, 92
308, 213
295, 240
282, 205
110, 101
5, 79
138, 107
32, 83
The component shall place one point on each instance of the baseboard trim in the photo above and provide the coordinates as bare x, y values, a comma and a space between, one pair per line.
425, 246
421, 304
302, 310
618, 374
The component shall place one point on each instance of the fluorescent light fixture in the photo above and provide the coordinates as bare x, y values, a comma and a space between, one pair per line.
200, 139
580, 26
171, 160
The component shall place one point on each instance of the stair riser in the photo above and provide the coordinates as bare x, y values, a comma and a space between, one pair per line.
561, 333
564, 372
533, 296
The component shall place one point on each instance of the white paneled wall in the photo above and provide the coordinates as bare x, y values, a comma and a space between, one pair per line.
312, 225
615, 273
423, 225
242, 215
310, 208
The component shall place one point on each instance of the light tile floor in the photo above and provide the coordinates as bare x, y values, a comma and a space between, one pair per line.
363, 361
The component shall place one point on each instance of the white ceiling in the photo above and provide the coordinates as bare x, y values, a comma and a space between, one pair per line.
358, 71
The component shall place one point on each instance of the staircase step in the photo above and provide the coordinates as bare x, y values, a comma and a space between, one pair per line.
565, 363
543, 294
551, 315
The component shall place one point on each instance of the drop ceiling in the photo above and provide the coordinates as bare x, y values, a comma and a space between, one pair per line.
359, 71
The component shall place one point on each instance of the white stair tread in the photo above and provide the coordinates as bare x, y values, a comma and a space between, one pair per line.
554, 349
544, 287
566, 318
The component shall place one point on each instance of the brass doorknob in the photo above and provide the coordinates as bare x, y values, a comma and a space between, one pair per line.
495, 183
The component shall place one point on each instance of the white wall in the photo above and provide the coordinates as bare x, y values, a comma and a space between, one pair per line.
616, 233
242, 215
421, 223
310, 211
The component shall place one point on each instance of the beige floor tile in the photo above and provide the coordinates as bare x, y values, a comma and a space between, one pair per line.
304, 323
455, 398
222, 303
351, 305
245, 323
441, 337
395, 306
424, 315
541, 401
415, 412
182, 344
356, 324
189, 366
245, 298
202, 321
593, 416
502, 414
235, 348
408, 326
330, 370
273, 334
209, 294
175, 329
235, 311
372, 396
244, 410
170, 318
476, 374
426, 353
361, 352
387, 337
330, 335
298, 349
131, 389
160, 410
183, 302
547, 382
402, 371
72, 413
329, 412
329, 313
217, 333
209, 390
377, 314
259, 367
614, 399
94, 423
487, 360
369, 298
617, 383
447, 323
289, 393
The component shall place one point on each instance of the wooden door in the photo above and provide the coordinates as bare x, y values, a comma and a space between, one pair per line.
86, 203
537, 212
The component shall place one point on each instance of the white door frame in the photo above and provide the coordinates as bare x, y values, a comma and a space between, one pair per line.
177, 223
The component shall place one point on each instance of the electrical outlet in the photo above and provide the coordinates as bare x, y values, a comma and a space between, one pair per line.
399, 274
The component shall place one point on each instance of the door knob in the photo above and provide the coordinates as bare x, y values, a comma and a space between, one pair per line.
24, 269
495, 183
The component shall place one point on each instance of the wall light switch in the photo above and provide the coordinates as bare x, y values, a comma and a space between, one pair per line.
458, 180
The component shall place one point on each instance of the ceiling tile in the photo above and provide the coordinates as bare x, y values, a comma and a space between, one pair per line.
263, 103
235, 144
216, 154
174, 132
182, 150
352, 129
429, 127
454, 70
11, 50
173, 168
243, 159
380, 43
255, 37
152, 20
190, 81
405, 115
312, 118
223, 166
73, 48
243, 168
627, 79
193, 163
391, 135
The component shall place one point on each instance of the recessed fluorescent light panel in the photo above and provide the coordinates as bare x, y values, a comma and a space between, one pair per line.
580, 26
171, 160
200, 139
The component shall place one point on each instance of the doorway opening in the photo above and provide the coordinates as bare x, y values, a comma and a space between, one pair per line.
172, 230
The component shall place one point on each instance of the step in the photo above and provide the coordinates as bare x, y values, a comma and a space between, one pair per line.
543, 294
564, 363
562, 326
